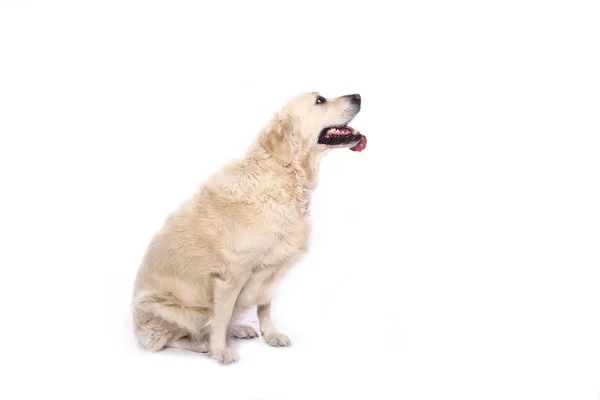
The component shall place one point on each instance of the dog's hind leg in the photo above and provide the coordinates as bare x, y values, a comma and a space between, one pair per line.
198, 344
154, 333
160, 320
242, 332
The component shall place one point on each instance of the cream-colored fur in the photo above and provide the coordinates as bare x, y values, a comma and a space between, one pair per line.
227, 246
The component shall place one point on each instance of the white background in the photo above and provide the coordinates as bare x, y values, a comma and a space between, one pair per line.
457, 257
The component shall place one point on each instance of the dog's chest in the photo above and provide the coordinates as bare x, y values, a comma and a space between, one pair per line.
259, 288
288, 242
272, 262
285, 237
277, 230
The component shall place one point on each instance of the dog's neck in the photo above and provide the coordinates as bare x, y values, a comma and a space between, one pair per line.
304, 166
302, 173
309, 163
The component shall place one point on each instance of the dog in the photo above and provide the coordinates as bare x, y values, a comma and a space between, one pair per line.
225, 248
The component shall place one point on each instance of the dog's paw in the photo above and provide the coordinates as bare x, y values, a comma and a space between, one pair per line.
242, 332
278, 340
224, 356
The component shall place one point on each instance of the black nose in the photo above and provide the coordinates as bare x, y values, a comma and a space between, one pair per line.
355, 98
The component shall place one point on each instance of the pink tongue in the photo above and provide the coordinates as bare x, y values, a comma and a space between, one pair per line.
361, 145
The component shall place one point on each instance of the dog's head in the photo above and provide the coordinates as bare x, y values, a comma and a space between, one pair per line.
310, 121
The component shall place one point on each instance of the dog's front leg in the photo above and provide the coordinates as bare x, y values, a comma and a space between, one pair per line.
267, 328
225, 296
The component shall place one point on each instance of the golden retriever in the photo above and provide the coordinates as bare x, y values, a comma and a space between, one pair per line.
227, 246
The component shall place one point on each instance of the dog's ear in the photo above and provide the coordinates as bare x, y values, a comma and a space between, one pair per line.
277, 139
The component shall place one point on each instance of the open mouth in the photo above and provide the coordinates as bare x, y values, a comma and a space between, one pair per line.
342, 136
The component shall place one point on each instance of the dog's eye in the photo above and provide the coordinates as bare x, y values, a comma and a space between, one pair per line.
321, 100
